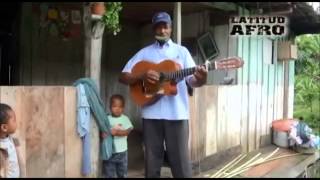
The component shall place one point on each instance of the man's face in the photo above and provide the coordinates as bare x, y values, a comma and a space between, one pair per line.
163, 29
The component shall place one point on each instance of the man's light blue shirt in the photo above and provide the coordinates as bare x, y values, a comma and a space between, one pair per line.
167, 107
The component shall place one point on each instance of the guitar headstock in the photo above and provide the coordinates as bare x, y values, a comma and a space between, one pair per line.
229, 63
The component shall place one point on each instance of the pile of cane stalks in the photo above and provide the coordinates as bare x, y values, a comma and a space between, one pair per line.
234, 168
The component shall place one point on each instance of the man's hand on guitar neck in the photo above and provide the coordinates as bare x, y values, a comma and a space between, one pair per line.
199, 78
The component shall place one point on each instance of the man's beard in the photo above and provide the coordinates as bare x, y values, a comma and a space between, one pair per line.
162, 39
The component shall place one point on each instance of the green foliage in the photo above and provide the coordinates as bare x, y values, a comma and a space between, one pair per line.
112, 17
311, 118
307, 80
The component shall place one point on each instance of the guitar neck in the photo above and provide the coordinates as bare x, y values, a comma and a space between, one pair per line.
186, 72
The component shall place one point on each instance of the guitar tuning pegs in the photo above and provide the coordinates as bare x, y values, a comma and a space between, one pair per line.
207, 65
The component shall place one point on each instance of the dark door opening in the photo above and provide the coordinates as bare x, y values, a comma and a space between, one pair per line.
9, 51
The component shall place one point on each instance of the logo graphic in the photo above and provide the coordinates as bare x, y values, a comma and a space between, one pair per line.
271, 26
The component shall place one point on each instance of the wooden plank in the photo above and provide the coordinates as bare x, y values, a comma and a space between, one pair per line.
201, 121
44, 131
95, 144
73, 144
259, 92
244, 101
291, 89
278, 112
264, 101
222, 139
280, 91
275, 96
244, 96
194, 130
276, 92
267, 49
225, 117
285, 88
252, 93
211, 119
93, 50
228, 118
232, 51
240, 83
234, 114
271, 88
240, 54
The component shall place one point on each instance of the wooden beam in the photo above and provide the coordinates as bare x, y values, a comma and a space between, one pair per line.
93, 42
285, 89
177, 22
225, 6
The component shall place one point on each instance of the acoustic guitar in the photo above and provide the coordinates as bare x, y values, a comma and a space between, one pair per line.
145, 93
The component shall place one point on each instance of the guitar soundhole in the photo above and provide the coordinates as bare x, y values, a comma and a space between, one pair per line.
162, 77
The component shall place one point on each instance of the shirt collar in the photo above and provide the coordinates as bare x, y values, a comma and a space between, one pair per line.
167, 44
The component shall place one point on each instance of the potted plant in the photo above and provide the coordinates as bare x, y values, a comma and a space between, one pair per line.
111, 17
98, 8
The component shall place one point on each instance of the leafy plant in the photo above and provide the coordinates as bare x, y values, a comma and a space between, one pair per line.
307, 80
111, 18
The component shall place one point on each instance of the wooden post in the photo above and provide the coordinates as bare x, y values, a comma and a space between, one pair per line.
93, 43
177, 22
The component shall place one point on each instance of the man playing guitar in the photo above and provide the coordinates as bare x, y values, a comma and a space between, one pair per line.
166, 120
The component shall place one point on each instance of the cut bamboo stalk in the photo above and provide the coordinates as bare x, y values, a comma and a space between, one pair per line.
238, 172
248, 167
279, 157
240, 168
265, 158
259, 161
243, 169
270, 155
234, 164
218, 172
226, 166
230, 166
245, 164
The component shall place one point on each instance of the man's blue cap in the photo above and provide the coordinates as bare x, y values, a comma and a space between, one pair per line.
161, 17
